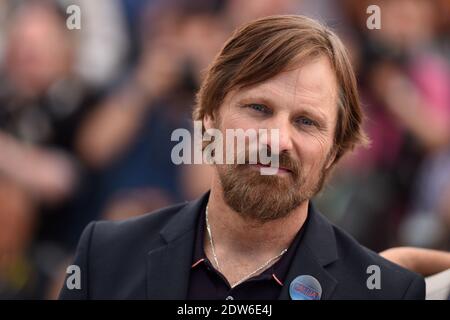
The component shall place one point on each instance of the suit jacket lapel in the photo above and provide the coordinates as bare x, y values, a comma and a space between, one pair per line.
316, 250
169, 265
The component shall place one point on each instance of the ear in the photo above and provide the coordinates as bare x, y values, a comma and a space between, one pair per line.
331, 158
208, 122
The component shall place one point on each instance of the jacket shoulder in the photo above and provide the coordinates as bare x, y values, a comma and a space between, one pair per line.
118, 250
365, 272
147, 225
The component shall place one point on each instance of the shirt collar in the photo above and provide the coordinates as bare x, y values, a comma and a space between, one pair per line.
278, 271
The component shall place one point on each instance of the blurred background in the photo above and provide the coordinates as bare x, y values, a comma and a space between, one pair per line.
86, 117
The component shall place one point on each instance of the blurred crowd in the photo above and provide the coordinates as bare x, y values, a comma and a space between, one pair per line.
86, 117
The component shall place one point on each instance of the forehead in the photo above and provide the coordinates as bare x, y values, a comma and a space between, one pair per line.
311, 85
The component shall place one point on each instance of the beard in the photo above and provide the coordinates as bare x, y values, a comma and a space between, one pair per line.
268, 197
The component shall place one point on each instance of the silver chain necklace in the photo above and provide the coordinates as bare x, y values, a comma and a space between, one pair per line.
216, 261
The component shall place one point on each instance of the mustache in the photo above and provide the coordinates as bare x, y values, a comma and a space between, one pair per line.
285, 161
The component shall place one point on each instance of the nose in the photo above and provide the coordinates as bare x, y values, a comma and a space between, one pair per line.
283, 138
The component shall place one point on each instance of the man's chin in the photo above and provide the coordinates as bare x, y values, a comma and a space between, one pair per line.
261, 201
264, 209
259, 197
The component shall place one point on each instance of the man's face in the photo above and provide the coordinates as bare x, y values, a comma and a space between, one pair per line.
302, 105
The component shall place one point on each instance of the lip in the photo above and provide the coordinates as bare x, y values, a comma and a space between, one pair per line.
281, 170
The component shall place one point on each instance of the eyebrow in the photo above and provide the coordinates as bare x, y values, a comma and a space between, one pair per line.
306, 108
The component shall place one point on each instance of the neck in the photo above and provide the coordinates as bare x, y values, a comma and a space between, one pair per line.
245, 236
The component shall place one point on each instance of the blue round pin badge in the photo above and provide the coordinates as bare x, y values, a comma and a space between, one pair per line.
305, 287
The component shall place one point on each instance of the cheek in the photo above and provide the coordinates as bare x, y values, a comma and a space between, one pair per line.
239, 121
313, 153
231, 121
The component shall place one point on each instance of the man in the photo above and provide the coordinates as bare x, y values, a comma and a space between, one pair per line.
255, 236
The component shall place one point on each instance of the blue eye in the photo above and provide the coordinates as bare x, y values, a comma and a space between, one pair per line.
306, 121
259, 107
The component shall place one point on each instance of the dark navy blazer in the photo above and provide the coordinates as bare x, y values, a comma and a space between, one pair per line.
149, 257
